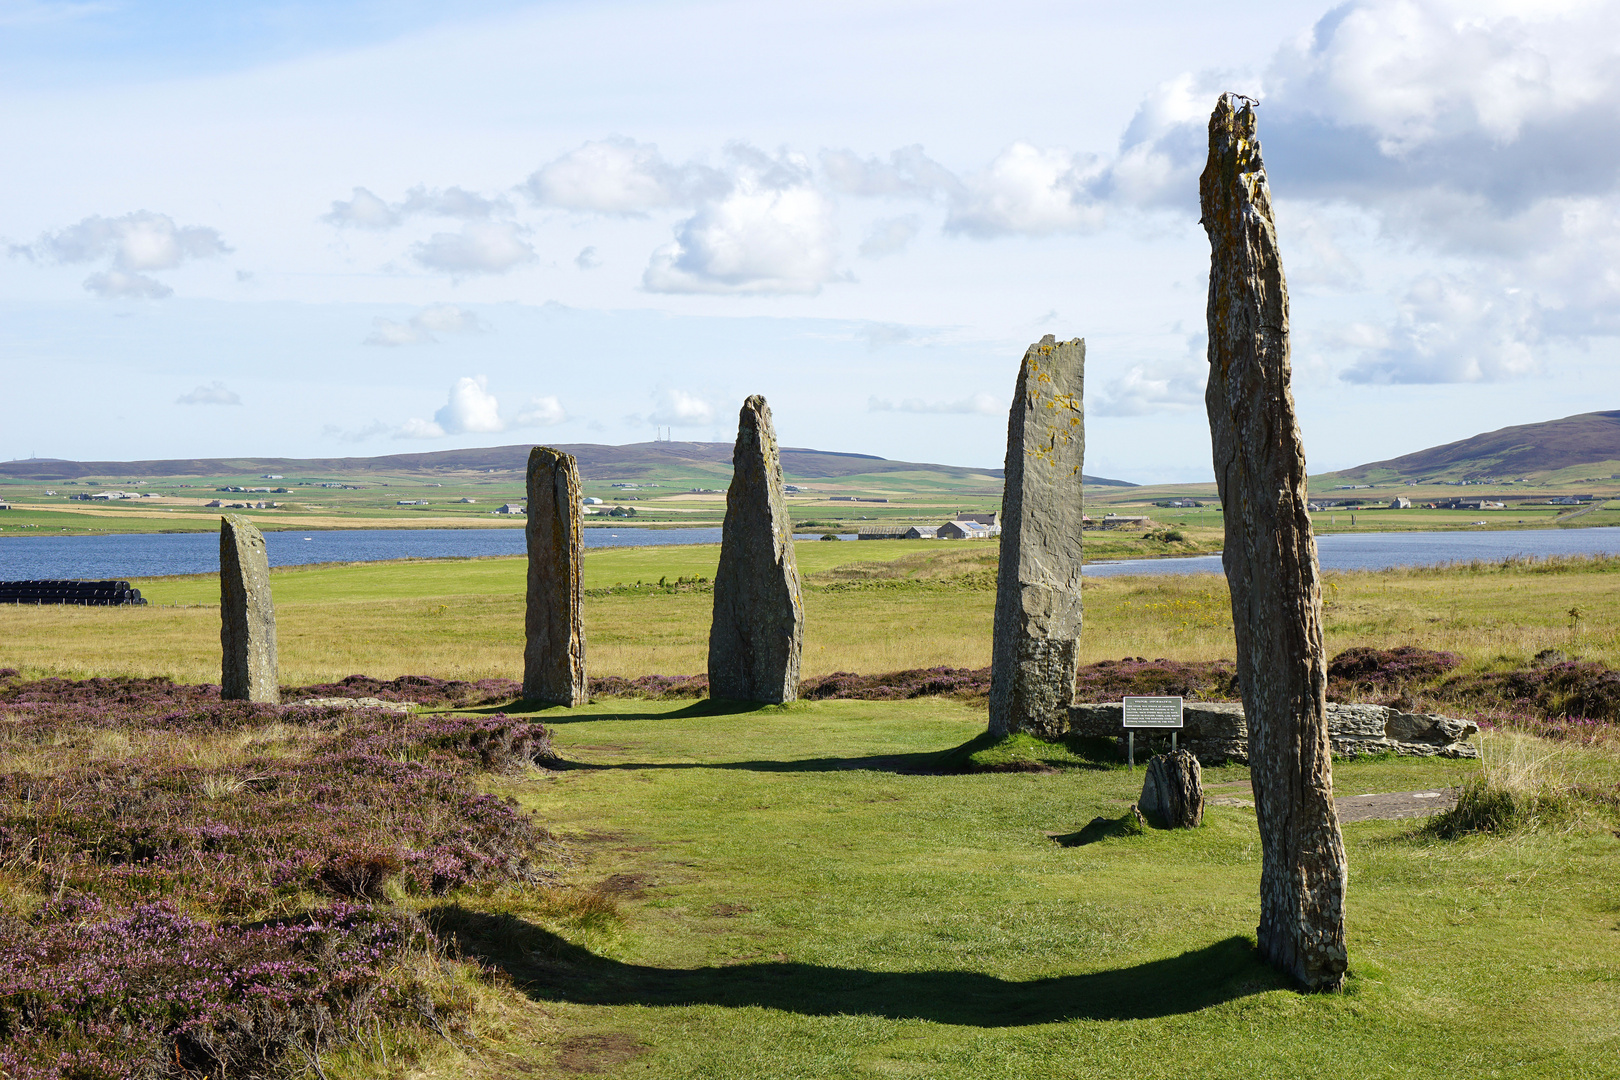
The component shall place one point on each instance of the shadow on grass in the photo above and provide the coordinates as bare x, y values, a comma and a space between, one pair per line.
548, 968
920, 764
1101, 828
559, 714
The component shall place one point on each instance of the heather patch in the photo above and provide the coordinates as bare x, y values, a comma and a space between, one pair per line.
1195, 680
1574, 688
88, 990
213, 910
959, 683
415, 689
1362, 670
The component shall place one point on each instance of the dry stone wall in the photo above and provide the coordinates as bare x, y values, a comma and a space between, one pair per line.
1217, 731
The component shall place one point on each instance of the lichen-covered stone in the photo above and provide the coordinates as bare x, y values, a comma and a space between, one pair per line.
1037, 628
1270, 560
757, 634
247, 617
554, 631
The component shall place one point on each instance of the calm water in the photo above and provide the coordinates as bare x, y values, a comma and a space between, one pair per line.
1380, 551
140, 555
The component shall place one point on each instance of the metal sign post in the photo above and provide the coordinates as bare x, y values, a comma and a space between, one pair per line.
1150, 712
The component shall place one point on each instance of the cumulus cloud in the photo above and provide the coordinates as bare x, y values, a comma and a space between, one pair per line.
1174, 384
587, 259
481, 247
890, 236
472, 409
133, 243
678, 408
1451, 330
981, 404
452, 202
363, 210
1031, 191
907, 172
541, 412
215, 393
772, 233
623, 177
421, 327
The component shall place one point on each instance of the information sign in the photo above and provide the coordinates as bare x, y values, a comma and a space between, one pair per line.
1152, 712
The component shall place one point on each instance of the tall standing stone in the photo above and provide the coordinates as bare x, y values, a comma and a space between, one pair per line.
1037, 631
247, 618
554, 645
1270, 560
758, 629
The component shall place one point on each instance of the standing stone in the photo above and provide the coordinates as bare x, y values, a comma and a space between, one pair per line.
1270, 560
1173, 792
554, 646
758, 629
1037, 630
247, 618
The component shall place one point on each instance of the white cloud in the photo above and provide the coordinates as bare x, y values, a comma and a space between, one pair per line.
481, 247
141, 241
1451, 330
419, 330
587, 259
980, 404
541, 412
620, 176
471, 408
362, 210
908, 172
1031, 191
677, 408
452, 202
890, 236
417, 428
215, 393
772, 233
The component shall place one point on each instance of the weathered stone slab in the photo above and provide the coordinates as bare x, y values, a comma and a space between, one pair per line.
1173, 791
1216, 731
1270, 560
554, 631
247, 617
757, 634
1037, 628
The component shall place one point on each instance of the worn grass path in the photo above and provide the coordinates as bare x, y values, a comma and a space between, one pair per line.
792, 906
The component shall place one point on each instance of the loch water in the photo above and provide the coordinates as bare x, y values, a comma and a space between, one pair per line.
145, 555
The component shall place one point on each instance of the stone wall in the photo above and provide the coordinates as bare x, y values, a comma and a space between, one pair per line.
1216, 731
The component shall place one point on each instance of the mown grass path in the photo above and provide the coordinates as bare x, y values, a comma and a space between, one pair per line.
794, 903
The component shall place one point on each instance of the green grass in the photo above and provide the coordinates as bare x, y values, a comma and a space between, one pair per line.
791, 905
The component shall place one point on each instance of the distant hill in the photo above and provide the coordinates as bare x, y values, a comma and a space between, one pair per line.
1532, 450
635, 461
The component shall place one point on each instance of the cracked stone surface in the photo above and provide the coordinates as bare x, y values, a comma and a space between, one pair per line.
247, 617
1037, 627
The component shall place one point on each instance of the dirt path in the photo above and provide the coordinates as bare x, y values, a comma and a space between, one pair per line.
1386, 806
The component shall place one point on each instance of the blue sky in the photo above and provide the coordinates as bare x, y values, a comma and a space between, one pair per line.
310, 229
